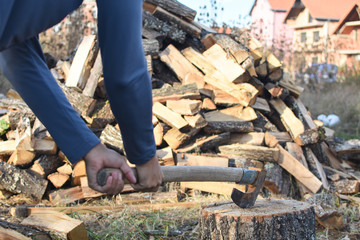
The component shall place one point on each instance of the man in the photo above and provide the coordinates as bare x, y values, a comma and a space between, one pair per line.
126, 79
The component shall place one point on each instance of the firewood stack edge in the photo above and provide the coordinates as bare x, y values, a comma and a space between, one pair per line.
218, 100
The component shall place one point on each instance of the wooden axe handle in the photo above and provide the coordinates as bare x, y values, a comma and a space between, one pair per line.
189, 174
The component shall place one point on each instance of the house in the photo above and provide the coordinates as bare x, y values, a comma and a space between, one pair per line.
313, 23
347, 37
267, 18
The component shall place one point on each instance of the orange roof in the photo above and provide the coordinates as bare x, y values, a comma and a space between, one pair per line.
281, 4
328, 9
352, 15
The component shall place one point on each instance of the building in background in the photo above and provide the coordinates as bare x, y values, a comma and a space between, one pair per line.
268, 25
314, 23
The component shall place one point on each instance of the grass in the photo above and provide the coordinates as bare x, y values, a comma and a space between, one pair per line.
342, 99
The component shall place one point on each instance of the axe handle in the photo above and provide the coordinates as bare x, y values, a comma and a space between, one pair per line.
193, 173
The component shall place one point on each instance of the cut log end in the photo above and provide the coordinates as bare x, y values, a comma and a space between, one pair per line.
268, 219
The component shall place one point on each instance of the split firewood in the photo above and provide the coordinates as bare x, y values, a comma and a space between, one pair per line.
174, 138
196, 121
288, 118
206, 143
79, 171
347, 186
270, 140
9, 234
165, 156
299, 171
261, 70
96, 73
246, 39
312, 157
65, 169
187, 91
158, 134
263, 124
169, 117
222, 98
253, 138
103, 117
17, 181
262, 105
235, 49
309, 136
331, 156
276, 75
208, 104
274, 90
151, 46
11, 93
66, 196
57, 224
112, 138
277, 179
273, 63
80, 69
291, 86
245, 93
58, 179
226, 64
201, 160
223, 188
39, 131
45, 165
21, 157
184, 106
185, 71
250, 152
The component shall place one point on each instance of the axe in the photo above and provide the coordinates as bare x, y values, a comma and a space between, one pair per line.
207, 174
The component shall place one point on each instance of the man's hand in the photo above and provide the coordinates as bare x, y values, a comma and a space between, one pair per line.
101, 157
150, 176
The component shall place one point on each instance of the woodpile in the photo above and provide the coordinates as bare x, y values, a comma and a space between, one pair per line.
219, 100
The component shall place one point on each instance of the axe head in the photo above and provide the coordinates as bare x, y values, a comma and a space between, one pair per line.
246, 200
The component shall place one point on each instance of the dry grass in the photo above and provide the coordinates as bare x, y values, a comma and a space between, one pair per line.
342, 99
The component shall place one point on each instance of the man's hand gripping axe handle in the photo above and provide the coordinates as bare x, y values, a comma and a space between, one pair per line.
207, 174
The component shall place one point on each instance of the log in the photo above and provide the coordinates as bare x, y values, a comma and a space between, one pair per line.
184, 70
9, 234
270, 140
277, 180
58, 225
208, 104
222, 98
174, 138
65, 169
21, 158
291, 86
219, 126
347, 186
175, 7
262, 105
309, 136
250, 152
274, 90
26, 232
66, 196
16, 180
223, 188
201, 160
187, 91
268, 219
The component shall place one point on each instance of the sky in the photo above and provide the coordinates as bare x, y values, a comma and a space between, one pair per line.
232, 9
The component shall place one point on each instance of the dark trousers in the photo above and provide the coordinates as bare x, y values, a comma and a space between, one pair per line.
126, 78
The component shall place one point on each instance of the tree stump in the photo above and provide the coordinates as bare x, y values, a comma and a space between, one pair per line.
268, 219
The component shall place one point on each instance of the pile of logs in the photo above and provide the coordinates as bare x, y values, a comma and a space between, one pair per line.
219, 100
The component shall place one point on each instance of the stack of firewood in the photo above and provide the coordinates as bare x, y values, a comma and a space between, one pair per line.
219, 100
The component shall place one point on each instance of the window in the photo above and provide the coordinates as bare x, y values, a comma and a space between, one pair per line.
316, 36
303, 37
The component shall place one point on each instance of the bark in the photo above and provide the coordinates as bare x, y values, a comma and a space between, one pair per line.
274, 219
